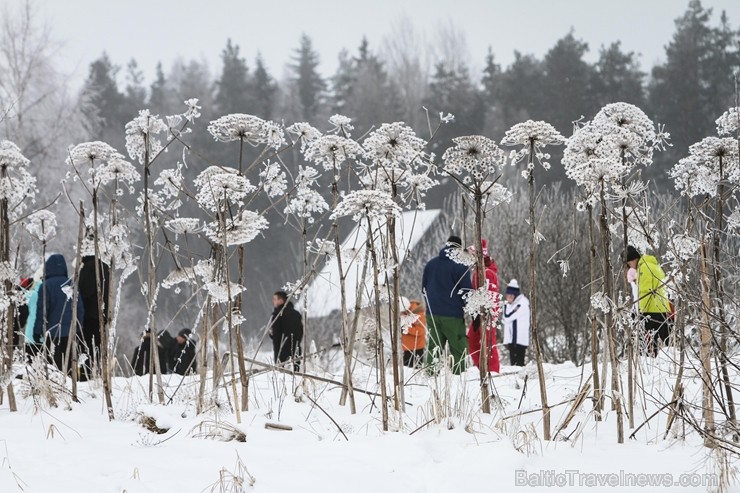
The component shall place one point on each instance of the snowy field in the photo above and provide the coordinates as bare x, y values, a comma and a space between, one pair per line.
441, 444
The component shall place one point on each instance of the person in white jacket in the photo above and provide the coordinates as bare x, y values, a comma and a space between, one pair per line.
516, 323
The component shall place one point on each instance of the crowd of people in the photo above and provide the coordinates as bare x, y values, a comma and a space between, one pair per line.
434, 332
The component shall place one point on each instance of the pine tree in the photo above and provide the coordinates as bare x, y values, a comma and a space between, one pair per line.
234, 89
521, 90
618, 77
107, 103
492, 81
307, 81
158, 92
694, 85
135, 96
567, 85
265, 90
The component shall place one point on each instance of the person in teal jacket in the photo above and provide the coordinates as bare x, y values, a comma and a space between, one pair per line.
653, 304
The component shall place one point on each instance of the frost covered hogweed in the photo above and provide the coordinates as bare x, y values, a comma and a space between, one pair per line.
588, 158
16, 183
242, 228
369, 203
633, 132
341, 125
42, 225
142, 128
699, 172
532, 136
273, 180
305, 133
393, 144
116, 171
306, 203
331, 151
473, 158
216, 184
481, 301
729, 122
247, 128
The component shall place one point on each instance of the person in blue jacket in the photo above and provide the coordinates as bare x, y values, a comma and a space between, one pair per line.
443, 283
54, 308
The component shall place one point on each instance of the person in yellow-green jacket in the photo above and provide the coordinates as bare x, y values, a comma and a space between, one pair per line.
653, 304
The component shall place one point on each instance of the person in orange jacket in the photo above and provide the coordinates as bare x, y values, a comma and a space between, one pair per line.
414, 332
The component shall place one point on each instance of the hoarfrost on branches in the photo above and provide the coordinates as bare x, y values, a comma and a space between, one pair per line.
193, 109
684, 246
178, 276
480, 301
729, 122
16, 183
601, 301
220, 291
496, 194
273, 180
137, 131
733, 220
42, 225
369, 203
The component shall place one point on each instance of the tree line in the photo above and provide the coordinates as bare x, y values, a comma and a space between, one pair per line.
393, 82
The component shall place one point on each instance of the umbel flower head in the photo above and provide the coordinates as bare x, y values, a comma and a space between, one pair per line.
305, 133
247, 128
143, 127
368, 203
331, 151
473, 158
42, 225
631, 130
532, 136
589, 158
237, 230
729, 122
16, 183
217, 184
393, 144
699, 172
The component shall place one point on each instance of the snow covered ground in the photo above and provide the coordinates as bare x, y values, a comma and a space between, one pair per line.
74, 448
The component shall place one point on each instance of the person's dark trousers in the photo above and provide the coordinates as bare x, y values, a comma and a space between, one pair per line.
413, 359
657, 328
290, 347
90, 346
57, 356
516, 354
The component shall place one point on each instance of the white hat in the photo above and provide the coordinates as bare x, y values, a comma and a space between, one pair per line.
404, 303
513, 284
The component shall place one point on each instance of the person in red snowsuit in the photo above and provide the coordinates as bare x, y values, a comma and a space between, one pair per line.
474, 335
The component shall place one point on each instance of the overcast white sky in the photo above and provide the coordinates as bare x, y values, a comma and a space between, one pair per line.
161, 30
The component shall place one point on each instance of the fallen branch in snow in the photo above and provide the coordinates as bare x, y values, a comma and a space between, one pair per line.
278, 426
632, 436
327, 415
580, 398
539, 409
304, 375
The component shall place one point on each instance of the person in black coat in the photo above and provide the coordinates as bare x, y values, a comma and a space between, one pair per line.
182, 353
141, 356
286, 330
88, 285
